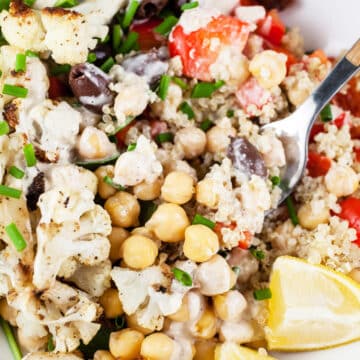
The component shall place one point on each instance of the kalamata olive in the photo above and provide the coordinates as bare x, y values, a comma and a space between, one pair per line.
150, 8
35, 189
90, 86
246, 157
102, 52
150, 65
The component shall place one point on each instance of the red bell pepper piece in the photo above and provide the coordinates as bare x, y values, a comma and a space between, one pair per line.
318, 165
272, 28
316, 129
57, 88
350, 211
148, 38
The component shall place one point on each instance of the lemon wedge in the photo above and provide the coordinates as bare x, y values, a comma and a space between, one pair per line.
232, 351
312, 307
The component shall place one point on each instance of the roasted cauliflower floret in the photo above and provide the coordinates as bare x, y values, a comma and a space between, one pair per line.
51, 356
71, 227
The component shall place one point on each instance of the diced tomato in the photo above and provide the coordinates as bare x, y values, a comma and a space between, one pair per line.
244, 243
350, 211
316, 129
121, 135
341, 120
272, 28
157, 127
355, 132
351, 99
318, 165
57, 88
357, 154
148, 38
200, 49
252, 93
320, 55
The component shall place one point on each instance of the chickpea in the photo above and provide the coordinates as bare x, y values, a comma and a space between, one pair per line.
309, 218
341, 180
206, 327
205, 350
237, 332
206, 194
201, 243
126, 344
229, 306
183, 313
105, 190
123, 208
192, 141
103, 355
157, 346
169, 222
218, 138
355, 274
94, 144
178, 188
133, 323
116, 238
110, 301
148, 191
215, 276
139, 252
142, 230
269, 68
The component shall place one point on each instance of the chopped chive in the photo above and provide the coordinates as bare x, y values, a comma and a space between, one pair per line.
108, 64
236, 270
8, 332
15, 236
4, 128
91, 58
258, 254
326, 113
186, 109
116, 37
206, 89
29, 3
50, 344
182, 276
130, 13
29, 154
10, 192
164, 87
275, 180
0, 70
106, 39
199, 219
206, 125
164, 137
108, 180
60, 69
66, 3
292, 212
262, 294
188, 6
20, 62
14, 90
165, 27
16, 172
130, 43
230, 113
180, 82
29, 53
131, 147
119, 322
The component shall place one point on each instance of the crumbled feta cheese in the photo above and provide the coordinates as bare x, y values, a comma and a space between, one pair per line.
251, 14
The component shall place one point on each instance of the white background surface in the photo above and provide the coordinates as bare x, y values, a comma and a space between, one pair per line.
332, 25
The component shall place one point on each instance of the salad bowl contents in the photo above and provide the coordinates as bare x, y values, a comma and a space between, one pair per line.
135, 180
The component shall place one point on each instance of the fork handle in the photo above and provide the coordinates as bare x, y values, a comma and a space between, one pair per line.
354, 54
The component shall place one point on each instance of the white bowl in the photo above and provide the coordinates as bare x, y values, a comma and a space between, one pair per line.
332, 25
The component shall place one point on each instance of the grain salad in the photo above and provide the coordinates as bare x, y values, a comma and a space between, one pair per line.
139, 214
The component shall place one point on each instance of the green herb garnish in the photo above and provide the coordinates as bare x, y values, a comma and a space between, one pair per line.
66, 3
16, 237
326, 113
292, 212
108, 64
182, 276
199, 219
188, 6
262, 294
186, 109
165, 27
14, 347
164, 86
29, 154
20, 62
14, 90
180, 82
206, 89
164, 137
108, 180
130, 13
130, 43
4, 128
206, 125
16, 172
10, 192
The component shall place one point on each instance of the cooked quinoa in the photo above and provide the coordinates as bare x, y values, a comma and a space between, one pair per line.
139, 205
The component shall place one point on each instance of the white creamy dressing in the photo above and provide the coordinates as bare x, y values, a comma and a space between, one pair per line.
224, 6
251, 14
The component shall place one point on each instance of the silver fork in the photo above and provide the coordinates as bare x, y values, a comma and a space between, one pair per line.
294, 130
